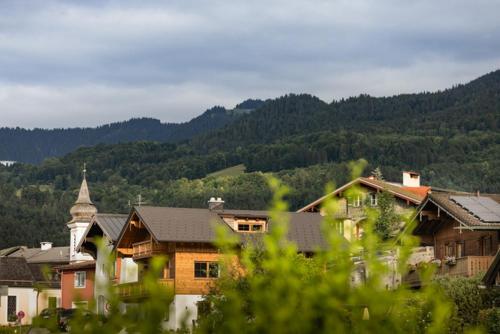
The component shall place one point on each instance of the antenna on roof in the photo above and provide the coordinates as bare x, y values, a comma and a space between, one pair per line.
139, 200
84, 170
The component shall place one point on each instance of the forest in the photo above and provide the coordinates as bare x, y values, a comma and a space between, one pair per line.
35, 145
451, 137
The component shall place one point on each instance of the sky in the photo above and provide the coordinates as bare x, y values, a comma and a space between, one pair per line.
87, 63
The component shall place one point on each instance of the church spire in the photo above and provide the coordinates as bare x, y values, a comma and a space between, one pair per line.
83, 208
84, 194
81, 215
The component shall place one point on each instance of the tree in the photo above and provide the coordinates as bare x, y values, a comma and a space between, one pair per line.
386, 224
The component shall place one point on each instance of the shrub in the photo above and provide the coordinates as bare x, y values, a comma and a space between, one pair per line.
490, 319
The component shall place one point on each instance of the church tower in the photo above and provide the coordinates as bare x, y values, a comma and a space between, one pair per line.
82, 212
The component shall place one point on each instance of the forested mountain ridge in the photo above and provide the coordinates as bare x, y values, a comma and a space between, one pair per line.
461, 109
452, 137
35, 145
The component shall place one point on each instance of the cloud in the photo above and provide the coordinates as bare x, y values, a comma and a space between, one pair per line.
112, 60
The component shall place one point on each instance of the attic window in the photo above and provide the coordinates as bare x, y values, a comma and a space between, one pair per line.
251, 227
243, 227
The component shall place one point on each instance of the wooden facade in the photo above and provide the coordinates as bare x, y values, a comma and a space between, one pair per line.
462, 250
179, 271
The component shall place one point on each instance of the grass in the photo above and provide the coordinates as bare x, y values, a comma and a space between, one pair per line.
231, 171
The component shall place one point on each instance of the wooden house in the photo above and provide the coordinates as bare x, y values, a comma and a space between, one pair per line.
186, 237
463, 229
408, 195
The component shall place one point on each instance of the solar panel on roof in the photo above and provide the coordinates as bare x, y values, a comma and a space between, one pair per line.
482, 207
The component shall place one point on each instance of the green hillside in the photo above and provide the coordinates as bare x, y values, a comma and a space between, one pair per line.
452, 137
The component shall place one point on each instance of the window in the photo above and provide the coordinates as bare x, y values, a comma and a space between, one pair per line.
206, 269
11, 308
460, 248
449, 250
256, 228
80, 277
355, 201
243, 227
200, 269
52, 302
373, 199
213, 270
486, 245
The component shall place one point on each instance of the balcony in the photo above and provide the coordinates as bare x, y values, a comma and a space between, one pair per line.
137, 290
467, 266
146, 249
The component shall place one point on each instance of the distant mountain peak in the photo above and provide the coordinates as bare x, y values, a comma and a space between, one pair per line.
250, 104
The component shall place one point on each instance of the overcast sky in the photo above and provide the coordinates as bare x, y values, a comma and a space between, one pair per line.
85, 63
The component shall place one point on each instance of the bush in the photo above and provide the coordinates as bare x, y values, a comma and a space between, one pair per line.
490, 319
466, 296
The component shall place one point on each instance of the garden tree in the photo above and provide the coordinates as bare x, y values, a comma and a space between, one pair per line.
281, 291
387, 221
377, 173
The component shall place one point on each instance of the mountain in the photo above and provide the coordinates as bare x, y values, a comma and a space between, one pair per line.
452, 137
33, 146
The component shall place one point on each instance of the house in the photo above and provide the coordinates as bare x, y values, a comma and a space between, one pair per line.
463, 229
186, 236
106, 228
28, 280
352, 206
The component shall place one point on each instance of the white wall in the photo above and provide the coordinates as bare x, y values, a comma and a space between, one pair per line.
76, 234
27, 302
129, 271
183, 308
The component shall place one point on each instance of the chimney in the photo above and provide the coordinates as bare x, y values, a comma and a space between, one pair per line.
215, 204
45, 245
411, 179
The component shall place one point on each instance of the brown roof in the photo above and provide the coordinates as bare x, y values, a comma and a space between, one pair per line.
16, 271
106, 224
415, 197
180, 224
443, 200
77, 266
36, 255
198, 225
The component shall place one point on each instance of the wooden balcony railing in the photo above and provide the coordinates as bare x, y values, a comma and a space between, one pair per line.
467, 266
137, 290
146, 249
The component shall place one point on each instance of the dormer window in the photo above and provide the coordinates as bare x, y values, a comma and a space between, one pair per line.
256, 228
251, 227
246, 224
244, 227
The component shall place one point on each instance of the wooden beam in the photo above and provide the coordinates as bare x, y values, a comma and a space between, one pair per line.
125, 251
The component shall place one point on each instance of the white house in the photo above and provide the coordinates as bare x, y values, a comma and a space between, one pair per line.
27, 281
